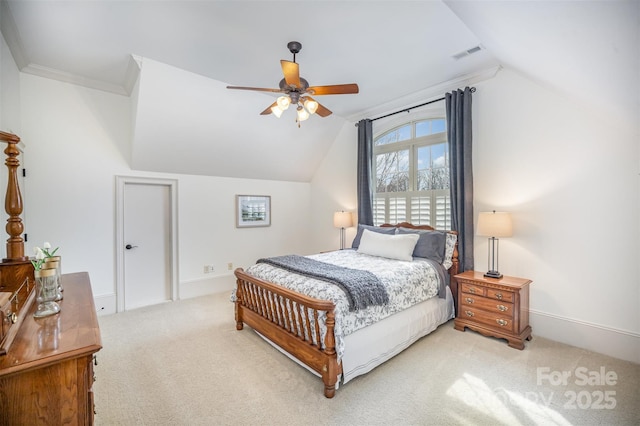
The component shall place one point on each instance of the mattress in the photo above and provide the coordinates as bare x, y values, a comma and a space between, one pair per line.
371, 346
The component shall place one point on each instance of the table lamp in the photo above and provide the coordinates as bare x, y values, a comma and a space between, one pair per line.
342, 220
493, 225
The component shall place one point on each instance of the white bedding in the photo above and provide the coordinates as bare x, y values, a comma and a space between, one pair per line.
407, 283
371, 346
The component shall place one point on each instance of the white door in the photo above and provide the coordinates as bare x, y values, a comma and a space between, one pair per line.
147, 244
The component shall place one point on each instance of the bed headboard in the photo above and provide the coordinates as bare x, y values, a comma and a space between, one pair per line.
454, 268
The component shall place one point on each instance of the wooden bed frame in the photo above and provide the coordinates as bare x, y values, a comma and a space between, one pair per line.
290, 319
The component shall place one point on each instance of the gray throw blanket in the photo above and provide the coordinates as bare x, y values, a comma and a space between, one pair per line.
362, 288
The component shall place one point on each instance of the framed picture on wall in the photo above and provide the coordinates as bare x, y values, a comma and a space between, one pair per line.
253, 211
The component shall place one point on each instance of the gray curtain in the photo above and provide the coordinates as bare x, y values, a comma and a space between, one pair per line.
365, 159
458, 104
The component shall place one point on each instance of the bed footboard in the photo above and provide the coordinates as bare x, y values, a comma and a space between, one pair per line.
290, 320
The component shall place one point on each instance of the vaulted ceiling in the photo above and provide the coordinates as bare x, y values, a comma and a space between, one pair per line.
175, 58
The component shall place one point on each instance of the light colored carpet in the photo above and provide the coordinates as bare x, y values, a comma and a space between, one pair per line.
184, 363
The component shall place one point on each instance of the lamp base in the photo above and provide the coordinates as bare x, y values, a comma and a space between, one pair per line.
493, 274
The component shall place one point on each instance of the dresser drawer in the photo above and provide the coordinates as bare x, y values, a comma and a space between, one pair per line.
472, 289
491, 305
497, 321
505, 296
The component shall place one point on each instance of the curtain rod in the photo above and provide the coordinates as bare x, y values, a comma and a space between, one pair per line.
473, 89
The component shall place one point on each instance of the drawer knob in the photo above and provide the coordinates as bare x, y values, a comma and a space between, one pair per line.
12, 317
468, 300
502, 322
499, 296
469, 313
471, 290
503, 308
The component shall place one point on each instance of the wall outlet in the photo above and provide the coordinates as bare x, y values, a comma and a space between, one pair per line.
230, 266
208, 269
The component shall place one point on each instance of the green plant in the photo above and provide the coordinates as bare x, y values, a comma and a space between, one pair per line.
46, 247
40, 258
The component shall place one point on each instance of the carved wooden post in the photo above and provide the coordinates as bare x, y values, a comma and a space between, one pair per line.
13, 201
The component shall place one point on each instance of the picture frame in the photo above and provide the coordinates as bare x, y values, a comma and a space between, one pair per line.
253, 211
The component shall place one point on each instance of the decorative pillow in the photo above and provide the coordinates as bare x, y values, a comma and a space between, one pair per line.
398, 247
431, 244
448, 251
378, 229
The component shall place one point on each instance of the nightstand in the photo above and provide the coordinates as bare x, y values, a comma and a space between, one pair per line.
494, 307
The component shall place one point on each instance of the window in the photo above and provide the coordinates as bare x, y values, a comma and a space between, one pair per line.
412, 175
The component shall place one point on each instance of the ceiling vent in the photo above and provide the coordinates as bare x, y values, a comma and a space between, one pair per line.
467, 52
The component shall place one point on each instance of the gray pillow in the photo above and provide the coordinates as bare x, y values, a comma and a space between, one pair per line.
431, 244
378, 229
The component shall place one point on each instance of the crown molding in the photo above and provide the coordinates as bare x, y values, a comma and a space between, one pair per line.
74, 79
11, 35
426, 95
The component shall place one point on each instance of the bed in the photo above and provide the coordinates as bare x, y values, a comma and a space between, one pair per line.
325, 328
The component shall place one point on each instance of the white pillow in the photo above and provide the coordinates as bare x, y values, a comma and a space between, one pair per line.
448, 251
398, 247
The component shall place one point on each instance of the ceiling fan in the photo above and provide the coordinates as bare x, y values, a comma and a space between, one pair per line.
296, 90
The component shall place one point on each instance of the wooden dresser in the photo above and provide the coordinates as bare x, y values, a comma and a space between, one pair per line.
47, 374
494, 307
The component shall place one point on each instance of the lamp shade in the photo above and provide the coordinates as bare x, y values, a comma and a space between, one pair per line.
311, 106
276, 110
283, 102
342, 219
495, 224
302, 114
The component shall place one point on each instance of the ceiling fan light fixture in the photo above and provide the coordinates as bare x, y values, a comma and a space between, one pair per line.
283, 102
276, 111
311, 106
294, 88
302, 113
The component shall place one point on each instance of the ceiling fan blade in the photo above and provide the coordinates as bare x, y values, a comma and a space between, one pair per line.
291, 72
323, 111
268, 110
259, 89
336, 89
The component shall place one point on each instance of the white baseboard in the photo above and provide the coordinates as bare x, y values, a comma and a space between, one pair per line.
106, 304
209, 285
617, 343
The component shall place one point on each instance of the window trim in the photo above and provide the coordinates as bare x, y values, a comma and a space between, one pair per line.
412, 145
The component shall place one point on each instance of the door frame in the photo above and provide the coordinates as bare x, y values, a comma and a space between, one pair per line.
172, 184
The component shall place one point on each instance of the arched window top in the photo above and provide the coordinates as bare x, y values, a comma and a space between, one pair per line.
411, 130
412, 177
398, 134
430, 127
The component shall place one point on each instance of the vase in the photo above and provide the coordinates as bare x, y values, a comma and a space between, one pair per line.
59, 260
49, 333
52, 263
46, 293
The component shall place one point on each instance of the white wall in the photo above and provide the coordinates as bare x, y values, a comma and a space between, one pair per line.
571, 182
9, 91
9, 106
76, 143
334, 189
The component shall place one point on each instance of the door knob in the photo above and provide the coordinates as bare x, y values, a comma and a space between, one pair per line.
129, 246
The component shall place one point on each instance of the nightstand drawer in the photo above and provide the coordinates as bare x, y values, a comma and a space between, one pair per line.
505, 296
500, 307
493, 320
472, 289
